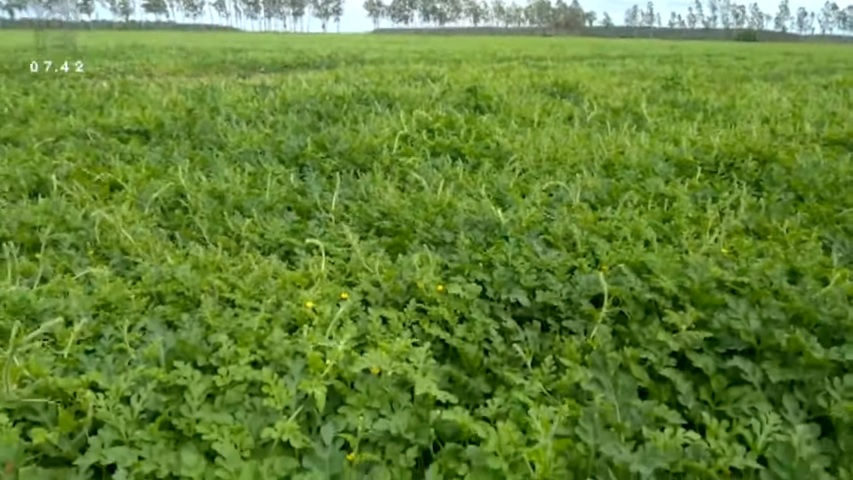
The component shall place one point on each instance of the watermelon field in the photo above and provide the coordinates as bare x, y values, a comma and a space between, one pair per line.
261, 256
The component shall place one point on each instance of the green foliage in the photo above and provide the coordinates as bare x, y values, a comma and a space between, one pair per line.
620, 31
52, 24
310, 258
748, 35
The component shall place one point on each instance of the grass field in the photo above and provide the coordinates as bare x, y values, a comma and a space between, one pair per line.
261, 257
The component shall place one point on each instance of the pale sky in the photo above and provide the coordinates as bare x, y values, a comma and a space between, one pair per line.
355, 18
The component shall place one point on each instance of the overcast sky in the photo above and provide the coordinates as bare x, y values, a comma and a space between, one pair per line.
355, 18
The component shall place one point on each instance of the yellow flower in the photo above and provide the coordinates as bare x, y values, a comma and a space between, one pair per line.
375, 370
604, 268
440, 289
351, 456
309, 304
344, 295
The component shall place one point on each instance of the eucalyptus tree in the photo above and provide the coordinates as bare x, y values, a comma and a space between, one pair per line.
606, 21
271, 13
725, 13
474, 11
826, 18
126, 9
155, 8
488, 17
713, 14
375, 11
540, 12
648, 15
830, 15
322, 10
515, 14
845, 19
402, 12
590, 17
337, 13
575, 16
221, 7
800, 20
86, 8
756, 17
12, 7
739, 16
449, 12
633, 18
691, 18
559, 12
236, 10
252, 11
568, 17
192, 9
426, 11
499, 13
175, 7
783, 16
297, 10
700, 13
282, 15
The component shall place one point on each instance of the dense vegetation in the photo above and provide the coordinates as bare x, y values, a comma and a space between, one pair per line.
57, 24
748, 35
702, 18
309, 257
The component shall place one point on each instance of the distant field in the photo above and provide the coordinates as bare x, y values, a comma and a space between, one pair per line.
241, 256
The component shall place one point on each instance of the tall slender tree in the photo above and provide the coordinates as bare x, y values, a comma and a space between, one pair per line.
700, 13
713, 13
156, 8
691, 18
783, 16
375, 10
756, 17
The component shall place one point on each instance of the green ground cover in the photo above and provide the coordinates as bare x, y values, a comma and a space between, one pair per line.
239, 256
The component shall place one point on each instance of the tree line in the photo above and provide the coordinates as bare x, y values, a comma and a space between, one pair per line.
295, 15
